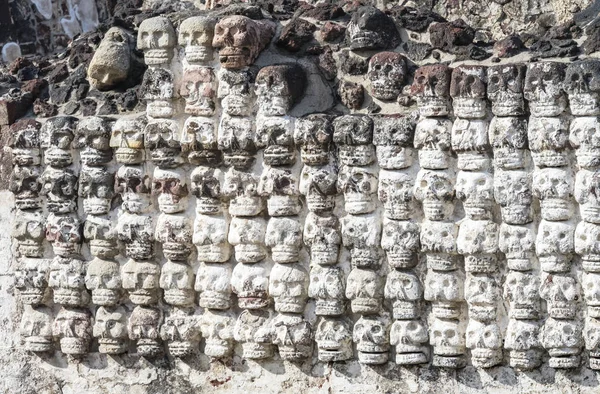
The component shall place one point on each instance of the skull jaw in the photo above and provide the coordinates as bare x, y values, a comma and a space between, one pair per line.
550, 106
57, 157
96, 206
236, 57
469, 107
394, 157
433, 106
446, 310
590, 212
486, 358
437, 210
584, 104
179, 297
401, 259
473, 161
74, 346
593, 311
555, 209
176, 251
297, 352
30, 249
284, 254
368, 358
61, 205
481, 263
588, 157
182, 349
329, 307
398, 210
283, 206
517, 214
525, 360
590, 263
365, 257
521, 261
217, 348
357, 204
564, 362
65, 249
356, 155
214, 253
314, 155
405, 310
524, 311
333, 352
249, 253
210, 157
246, 206
215, 300
139, 250
413, 358
256, 351
105, 297
555, 262
478, 210
208, 206
129, 155
112, 346
33, 295
441, 261
198, 54
144, 296
70, 297
95, 157
26, 157
366, 305
326, 255
453, 362
513, 105
39, 344
509, 158
252, 302
26, 203
147, 347
561, 310
549, 158
157, 57
166, 157
318, 203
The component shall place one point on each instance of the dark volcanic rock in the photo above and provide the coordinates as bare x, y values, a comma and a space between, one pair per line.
351, 94
353, 65
323, 12
44, 109
332, 32
592, 42
416, 51
327, 64
414, 19
59, 73
509, 46
447, 36
295, 34
557, 42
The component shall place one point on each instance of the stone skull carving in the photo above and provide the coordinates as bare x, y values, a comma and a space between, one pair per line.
247, 235
177, 281
213, 283
100, 233
438, 241
513, 192
448, 340
278, 88
96, 187
73, 327
410, 338
242, 190
404, 290
583, 137
387, 73
334, 339
127, 139
322, 237
521, 291
543, 88
563, 339
359, 186
400, 241
64, 233
181, 333
354, 135
370, 28
207, 185
217, 331
137, 233
482, 293
103, 279
199, 141
582, 84
478, 241
476, 191
92, 138
365, 290
523, 342
362, 235
591, 293
393, 137
112, 59
435, 191
59, 186
162, 138
156, 37
468, 91
144, 328
554, 188
431, 87
288, 285
25, 142
314, 135
274, 134
318, 185
445, 289
485, 342
586, 182
327, 288
56, 137
470, 142
67, 281
29, 232
508, 138
505, 89
199, 89
561, 292
36, 329
591, 336
284, 238
141, 280
548, 141
31, 279
250, 282
293, 336
554, 246
236, 91
433, 139
110, 327
25, 185
281, 187
395, 191
252, 331
240, 40
237, 136
134, 186
371, 334
210, 238
587, 245
171, 188
196, 35
174, 232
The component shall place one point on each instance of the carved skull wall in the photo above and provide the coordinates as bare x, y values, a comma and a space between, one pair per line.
371, 334
144, 328
370, 28
334, 339
387, 73
181, 332
278, 88
110, 327
544, 88
365, 289
177, 282
196, 35
141, 280
582, 84
314, 135
410, 338
288, 285
92, 138
252, 331
36, 329
250, 282
103, 279
433, 138
240, 40
156, 37
322, 237
213, 283
73, 327
327, 288
468, 88
128, 139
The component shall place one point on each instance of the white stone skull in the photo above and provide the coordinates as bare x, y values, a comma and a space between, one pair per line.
213, 284
393, 138
29, 232
508, 138
334, 339
162, 138
64, 233
438, 242
318, 185
236, 92
583, 136
101, 235
31, 279
587, 245
284, 238
513, 192
59, 186
482, 294
103, 279
217, 331
293, 336
353, 135
505, 89
371, 334
435, 191
410, 338
485, 342
207, 185
252, 331
433, 139
548, 140
521, 291
543, 88
395, 191
174, 232
478, 241
554, 188
281, 188
92, 138
476, 191
127, 139
364, 289
196, 35
275, 134
247, 235
110, 327
447, 338
400, 241
73, 326
156, 37
67, 281
56, 137
468, 90
322, 237
181, 333
199, 141
445, 289
141, 280
314, 135
431, 87
591, 293
586, 183
563, 339
144, 328
561, 292
250, 282
210, 238
171, 188
359, 186
470, 142
158, 91
591, 336
288, 285
36, 329
362, 235
134, 185
96, 187
404, 290
177, 281
242, 190
582, 86
137, 233
327, 288
522, 339
554, 246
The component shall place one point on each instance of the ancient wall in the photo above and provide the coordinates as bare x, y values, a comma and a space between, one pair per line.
304, 198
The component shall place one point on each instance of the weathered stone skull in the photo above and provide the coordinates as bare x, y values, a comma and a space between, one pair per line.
387, 73
561, 292
137, 233
476, 191
29, 232
141, 280
112, 59
199, 142
410, 338
288, 285
284, 238
505, 89
25, 185
445, 289
393, 139
59, 186
543, 88
247, 235
513, 192
554, 188
177, 281
470, 142
240, 40
478, 241
359, 186
278, 88
241, 188
92, 138
433, 139
100, 233
438, 242
181, 332
127, 139
334, 339
171, 188
563, 339
395, 191
322, 237
327, 288
252, 331
96, 187
237, 137
548, 140
73, 326
162, 138
485, 342
586, 194
210, 238
554, 246
103, 279
250, 282
206, 184
274, 134
521, 291
174, 232
482, 294
314, 135
371, 334
217, 331
213, 284
591, 293
64, 233
583, 137
522, 339
31, 279
362, 235
448, 340
435, 191
403, 289
110, 327
196, 35
199, 89
400, 241
508, 138
293, 336
144, 328
353, 135
582, 84
236, 91
370, 28
587, 245
318, 185
431, 86
281, 187
25, 142
157, 37
134, 185
56, 137
36, 329
365, 289
468, 89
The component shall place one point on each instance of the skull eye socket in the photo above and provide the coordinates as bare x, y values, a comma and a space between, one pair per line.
575, 77
450, 333
562, 235
494, 79
376, 329
568, 330
437, 333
